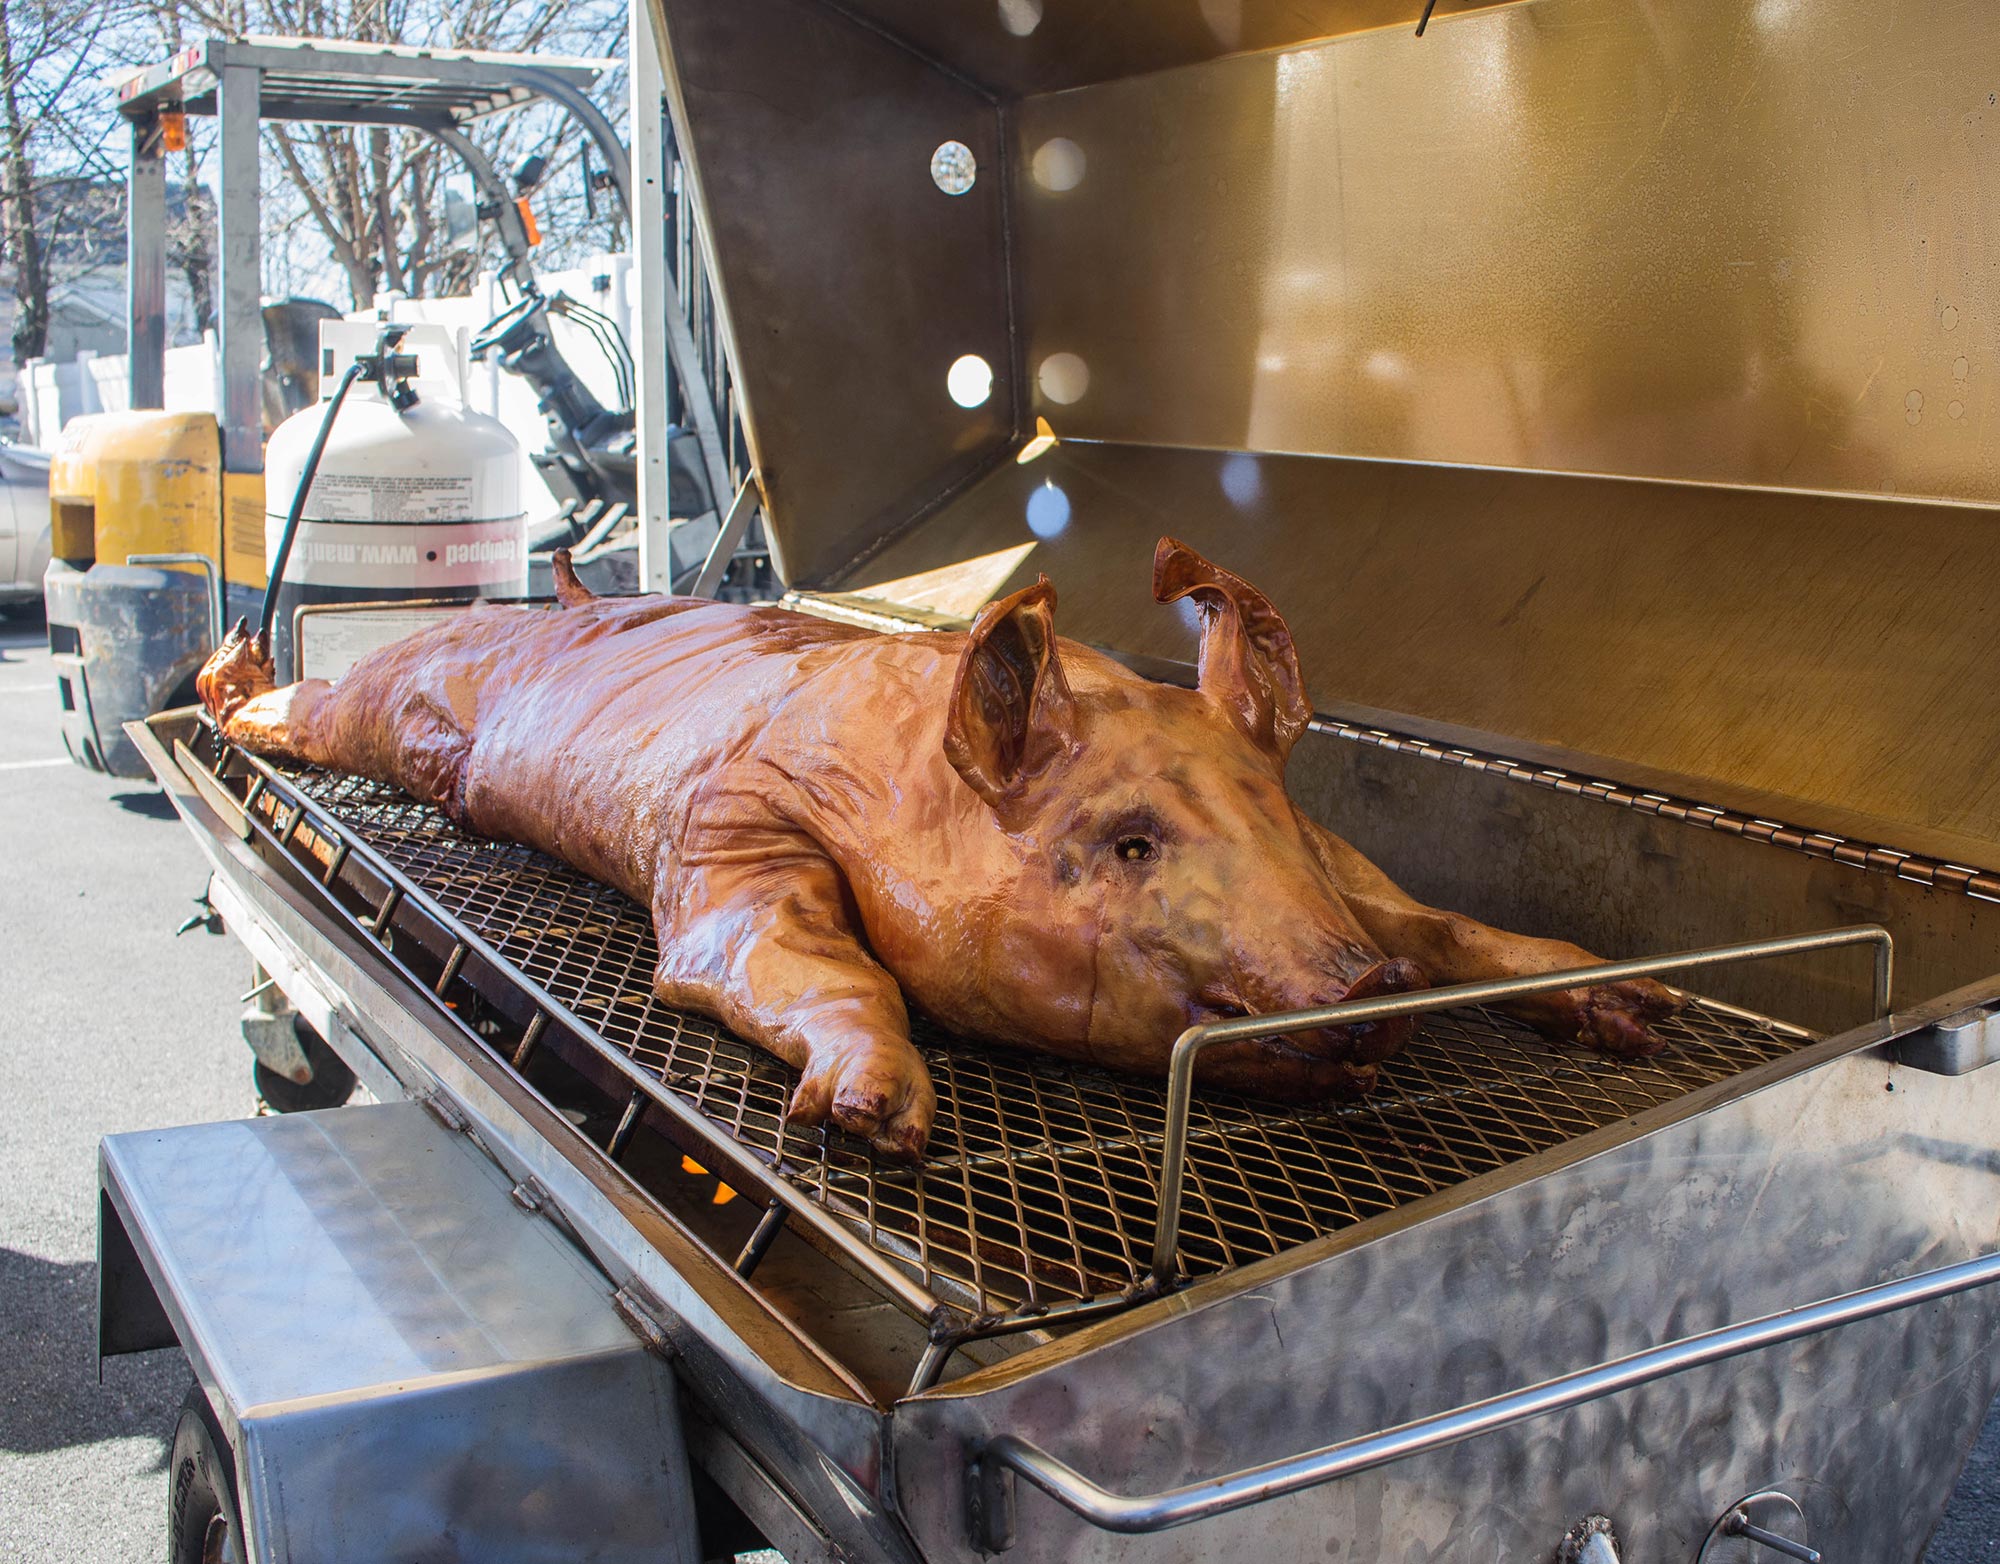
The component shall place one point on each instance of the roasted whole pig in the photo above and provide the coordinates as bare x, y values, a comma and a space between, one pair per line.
1035, 845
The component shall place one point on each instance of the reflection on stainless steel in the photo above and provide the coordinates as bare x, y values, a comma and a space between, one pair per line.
969, 380
1220, 1495
1593, 278
1188, 1047
1020, 17
1516, 243
1058, 164
1242, 481
1063, 378
1048, 510
768, 99
1042, 441
1547, 847
1763, 652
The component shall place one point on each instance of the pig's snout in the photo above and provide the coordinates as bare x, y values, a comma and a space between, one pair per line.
1368, 1042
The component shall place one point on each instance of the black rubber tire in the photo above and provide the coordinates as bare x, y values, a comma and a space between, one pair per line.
331, 1085
204, 1523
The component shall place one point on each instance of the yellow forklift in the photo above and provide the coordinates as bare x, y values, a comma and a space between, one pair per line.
152, 543
159, 517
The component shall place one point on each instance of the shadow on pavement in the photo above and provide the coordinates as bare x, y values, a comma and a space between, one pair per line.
154, 806
22, 625
49, 1395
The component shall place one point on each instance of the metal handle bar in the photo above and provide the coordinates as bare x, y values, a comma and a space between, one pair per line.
1740, 1525
208, 569
1188, 1046
991, 1495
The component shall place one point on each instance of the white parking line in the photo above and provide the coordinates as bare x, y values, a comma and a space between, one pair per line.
33, 765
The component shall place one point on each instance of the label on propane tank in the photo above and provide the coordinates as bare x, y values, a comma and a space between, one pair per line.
364, 554
367, 497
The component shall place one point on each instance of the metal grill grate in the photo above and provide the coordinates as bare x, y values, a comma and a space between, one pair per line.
1040, 1184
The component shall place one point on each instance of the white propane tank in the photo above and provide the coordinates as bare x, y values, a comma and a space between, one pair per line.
424, 502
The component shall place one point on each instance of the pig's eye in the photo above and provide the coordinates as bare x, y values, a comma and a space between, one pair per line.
1138, 849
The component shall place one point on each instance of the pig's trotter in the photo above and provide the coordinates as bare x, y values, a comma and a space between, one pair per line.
237, 672
880, 1091
753, 929
1617, 1018
238, 688
1613, 1018
1269, 1068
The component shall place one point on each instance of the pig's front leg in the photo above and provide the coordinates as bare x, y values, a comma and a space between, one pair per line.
1615, 1018
761, 939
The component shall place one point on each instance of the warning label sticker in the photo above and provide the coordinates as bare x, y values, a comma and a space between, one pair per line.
359, 497
330, 643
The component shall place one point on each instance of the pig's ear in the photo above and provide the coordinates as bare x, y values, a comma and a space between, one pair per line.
1248, 662
1010, 709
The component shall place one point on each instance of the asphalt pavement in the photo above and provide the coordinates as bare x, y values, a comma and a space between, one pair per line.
110, 1022
107, 1023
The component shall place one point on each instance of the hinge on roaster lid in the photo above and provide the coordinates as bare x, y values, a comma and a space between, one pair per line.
531, 1195
446, 1112
647, 1316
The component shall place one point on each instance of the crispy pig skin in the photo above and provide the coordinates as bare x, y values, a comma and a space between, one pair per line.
1030, 842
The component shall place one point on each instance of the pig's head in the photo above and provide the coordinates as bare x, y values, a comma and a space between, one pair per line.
1156, 873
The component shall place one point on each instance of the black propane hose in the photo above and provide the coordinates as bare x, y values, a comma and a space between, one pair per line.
270, 613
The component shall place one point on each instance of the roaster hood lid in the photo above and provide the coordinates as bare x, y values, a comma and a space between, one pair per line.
1585, 381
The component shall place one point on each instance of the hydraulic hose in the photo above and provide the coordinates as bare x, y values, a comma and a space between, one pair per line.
270, 613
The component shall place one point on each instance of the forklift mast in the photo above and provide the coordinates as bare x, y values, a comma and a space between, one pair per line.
664, 455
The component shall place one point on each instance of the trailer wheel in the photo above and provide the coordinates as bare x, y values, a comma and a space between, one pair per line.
204, 1525
331, 1085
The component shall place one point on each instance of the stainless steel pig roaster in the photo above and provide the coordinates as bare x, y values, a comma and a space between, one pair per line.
1606, 394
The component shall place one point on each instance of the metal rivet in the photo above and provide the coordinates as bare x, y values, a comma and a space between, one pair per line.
953, 168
